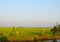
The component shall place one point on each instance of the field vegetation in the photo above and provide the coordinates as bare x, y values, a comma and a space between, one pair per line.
25, 33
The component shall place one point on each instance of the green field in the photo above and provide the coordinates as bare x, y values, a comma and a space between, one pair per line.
25, 31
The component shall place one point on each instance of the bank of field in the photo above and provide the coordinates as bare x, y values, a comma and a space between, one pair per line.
26, 31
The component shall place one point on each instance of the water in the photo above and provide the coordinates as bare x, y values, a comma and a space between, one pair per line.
49, 41
52, 41
58, 40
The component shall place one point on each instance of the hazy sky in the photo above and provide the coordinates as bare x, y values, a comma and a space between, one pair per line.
29, 13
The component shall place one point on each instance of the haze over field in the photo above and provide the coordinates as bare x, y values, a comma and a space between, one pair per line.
29, 13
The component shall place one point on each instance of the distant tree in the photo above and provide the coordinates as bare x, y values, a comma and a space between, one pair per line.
13, 27
51, 30
54, 30
59, 28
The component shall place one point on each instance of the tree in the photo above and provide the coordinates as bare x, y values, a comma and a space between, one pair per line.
54, 30
59, 28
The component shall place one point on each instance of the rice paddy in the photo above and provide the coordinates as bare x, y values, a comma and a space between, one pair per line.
25, 31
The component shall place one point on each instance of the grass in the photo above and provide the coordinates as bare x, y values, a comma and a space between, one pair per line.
26, 31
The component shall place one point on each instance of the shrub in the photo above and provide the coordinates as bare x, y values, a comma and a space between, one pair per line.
3, 38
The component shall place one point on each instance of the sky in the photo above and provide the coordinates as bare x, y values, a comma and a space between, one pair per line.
29, 13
